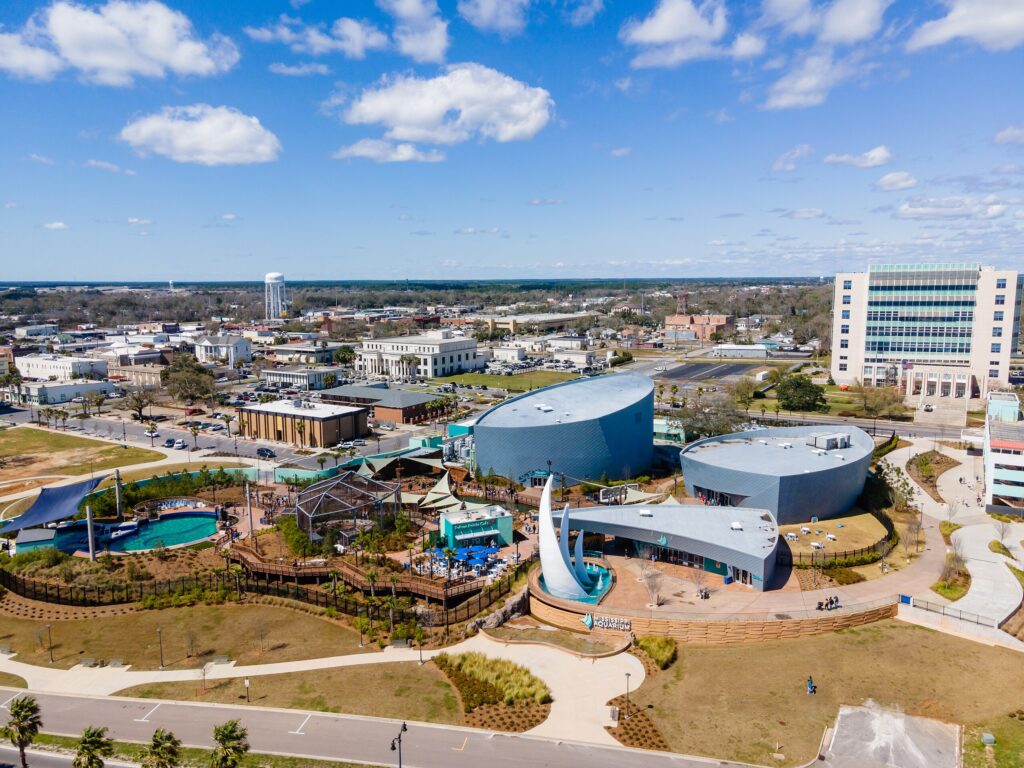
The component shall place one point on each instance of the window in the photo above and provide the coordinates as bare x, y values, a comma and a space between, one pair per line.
844, 343
846, 299
998, 316
994, 373
847, 285
846, 314
1001, 283
844, 329
842, 366
997, 332
996, 348
1000, 299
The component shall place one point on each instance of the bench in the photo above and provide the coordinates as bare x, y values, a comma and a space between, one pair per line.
115, 663
221, 660
84, 662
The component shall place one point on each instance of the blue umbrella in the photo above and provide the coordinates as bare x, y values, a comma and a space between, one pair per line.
461, 557
477, 548
478, 561
492, 550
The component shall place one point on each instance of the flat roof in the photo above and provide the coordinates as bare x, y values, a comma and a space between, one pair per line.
1006, 432
309, 410
460, 516
741, 529
325, 369
384, 397
781, 451
570, 401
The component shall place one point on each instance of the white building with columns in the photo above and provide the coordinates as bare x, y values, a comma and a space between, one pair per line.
428, 355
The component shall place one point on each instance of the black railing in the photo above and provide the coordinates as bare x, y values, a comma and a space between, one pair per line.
876, 551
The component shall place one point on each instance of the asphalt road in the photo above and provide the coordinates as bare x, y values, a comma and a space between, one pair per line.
317, 735
705, 371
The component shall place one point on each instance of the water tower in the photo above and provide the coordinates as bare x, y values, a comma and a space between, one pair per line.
275, 302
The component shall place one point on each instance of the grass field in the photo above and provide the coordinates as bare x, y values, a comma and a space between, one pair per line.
1008, 751
571, 641
857, 531
29, 452
163, 469
15, 508
736, 702
524, 382
220, 630
403, 691
11, 681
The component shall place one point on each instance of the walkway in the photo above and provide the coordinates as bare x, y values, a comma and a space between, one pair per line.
580, 688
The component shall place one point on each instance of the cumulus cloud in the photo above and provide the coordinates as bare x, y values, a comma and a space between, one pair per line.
873, 158
350, 37
805, 213
103, 165
895, 181
677, 31
997, 25
467, 101
543, 201
583, 12
621, 151
925, 208
420, 32
796, 17
299, 70
809, 82
381, 151
55, 225
41, 159
202, 134
506, 17
851, 21
787, 160
1013, 134
114, 43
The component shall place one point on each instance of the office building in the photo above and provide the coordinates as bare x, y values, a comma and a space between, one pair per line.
387, 406
312, 425
225, 350
1004, 452
699, 327
428, 355
939, 332
35, 331
301, 377
55, 392
306, 353
60, 367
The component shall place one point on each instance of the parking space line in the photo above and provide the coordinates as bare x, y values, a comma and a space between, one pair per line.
298, 731
4, 705
145, 718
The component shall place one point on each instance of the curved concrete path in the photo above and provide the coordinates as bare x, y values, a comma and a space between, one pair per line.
580, 688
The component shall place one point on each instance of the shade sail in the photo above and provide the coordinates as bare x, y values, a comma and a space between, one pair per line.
53, 504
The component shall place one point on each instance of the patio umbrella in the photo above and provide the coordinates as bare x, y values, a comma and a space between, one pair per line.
477, 548
461, 557
492, 550
478, 561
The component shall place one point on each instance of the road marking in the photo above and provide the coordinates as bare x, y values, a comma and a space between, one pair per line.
298, 731
460, 749
4, 705
145, 718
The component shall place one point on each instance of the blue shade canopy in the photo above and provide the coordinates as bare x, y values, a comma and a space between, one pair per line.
478, 561
53, 504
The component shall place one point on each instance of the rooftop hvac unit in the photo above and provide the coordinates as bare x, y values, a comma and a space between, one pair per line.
544, 408
840, 457
763, 442
645, 513
736, 526
296, 403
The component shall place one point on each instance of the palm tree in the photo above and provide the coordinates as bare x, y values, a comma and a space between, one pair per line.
195, 436
321, 460
164, 751
151, 428
63, 418
227, 418
449, 555
96, 399
372, 577
300, 428
232, 745
93, 746
242, 424
23, 724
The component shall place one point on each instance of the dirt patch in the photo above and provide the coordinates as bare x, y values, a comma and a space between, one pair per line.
926, 468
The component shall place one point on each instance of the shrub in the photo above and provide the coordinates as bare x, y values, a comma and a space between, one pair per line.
483, 680
946, 528
662, 650
844, 576
296, 538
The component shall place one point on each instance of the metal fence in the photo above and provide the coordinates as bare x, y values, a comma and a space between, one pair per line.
230, 584
948, 610
822, 558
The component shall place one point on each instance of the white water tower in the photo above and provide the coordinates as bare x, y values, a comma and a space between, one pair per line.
275, 301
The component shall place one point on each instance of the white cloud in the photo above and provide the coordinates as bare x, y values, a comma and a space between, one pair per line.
477, 231
202, 134
381, 151
467, 101
544, 201
229, 217
41, 159
103, 165
507, 17
787, 160
299, 70
350, 37
55, 225
1013, 134
420, 32
851, 21
805, 213
621, 151
951, 208
114, 43
896, 181
809, 82
624, 84
873, 158
9, 204
721, 116
796, 17
21, 59
137, 222
583, 12
677, 31
997, 25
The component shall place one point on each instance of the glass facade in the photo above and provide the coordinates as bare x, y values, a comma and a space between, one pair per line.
920, 313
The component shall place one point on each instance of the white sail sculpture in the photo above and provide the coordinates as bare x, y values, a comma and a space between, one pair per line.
560, 577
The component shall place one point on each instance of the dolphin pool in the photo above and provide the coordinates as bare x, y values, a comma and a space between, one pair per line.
170, 530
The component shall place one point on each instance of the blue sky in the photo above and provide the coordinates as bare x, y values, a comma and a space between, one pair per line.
506, 138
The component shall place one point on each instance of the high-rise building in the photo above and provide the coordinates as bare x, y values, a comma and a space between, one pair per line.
940, 332
275, 300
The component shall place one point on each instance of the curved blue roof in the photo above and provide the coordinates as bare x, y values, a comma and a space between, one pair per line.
570, 401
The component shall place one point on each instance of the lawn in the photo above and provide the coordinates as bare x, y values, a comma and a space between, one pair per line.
570, 641
524, 382
404, 691
736, 702
27, 452
143, 474
16, 508
11, 681
1008, 751
856, 531
219, 630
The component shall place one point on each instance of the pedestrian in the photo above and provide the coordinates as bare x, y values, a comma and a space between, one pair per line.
810, 685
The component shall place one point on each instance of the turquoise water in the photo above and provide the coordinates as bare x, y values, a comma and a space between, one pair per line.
183, 528
602, 582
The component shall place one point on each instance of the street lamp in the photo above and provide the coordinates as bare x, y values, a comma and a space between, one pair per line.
160, 641
396, 743
49, 640
627, 695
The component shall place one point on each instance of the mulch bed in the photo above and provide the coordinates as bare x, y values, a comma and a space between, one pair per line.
514, 719
639, 731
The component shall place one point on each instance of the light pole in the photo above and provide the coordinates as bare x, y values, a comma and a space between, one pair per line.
396, 743
160, 642
49, 640
627, 695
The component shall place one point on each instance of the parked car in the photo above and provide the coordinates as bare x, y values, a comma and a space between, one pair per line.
346, 444
152, 433
180, 445
169, 442
359, 442
193, 411
265, 453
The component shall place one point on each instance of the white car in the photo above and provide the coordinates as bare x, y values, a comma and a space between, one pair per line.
152, 433
179, 445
